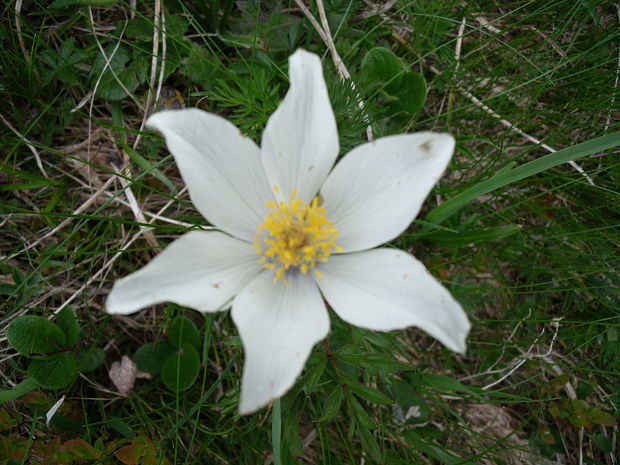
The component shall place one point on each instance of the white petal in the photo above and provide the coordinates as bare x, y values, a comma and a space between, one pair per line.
387, 289
300, 142
51, 412
378, 188
221, 167
278, 325
201, 270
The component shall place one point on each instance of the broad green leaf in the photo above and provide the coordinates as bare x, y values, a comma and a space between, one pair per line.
603, 443
23, 388
149, 358
120, 426
130, 455
332, 404
79, 449
89, 358
600, 417
473, 236
381, 66
198, 67
67, 322
183, 331
451, 206
55, 372
129, 68
411, 93
181, 368
31, 334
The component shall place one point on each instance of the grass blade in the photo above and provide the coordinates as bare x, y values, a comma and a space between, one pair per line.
451, 206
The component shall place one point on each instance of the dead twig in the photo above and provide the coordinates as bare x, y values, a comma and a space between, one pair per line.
325, 34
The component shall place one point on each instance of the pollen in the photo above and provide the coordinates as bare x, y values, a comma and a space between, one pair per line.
295, 236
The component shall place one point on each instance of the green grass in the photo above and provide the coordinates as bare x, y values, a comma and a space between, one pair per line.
526, 244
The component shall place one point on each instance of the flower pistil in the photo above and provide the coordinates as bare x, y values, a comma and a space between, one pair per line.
295, 235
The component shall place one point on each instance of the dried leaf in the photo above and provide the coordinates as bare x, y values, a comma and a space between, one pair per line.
123, 375
130, 455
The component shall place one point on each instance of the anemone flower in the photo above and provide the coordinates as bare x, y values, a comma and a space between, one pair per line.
294, 231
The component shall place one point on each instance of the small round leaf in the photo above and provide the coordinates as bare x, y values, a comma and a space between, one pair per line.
30, 334
412, 93
55, 372
149, 358
181, 368
183, 331
89, 358
381, 66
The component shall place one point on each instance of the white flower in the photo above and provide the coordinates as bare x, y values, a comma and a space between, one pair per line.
294, 231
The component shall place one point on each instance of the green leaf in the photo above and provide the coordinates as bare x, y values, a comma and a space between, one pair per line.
30, 334
373, 362
130, 455
332, 404
89, 358
411, 93
120, 426
433, 450
313, 375
473, 236
149, 168
451, 206
445, 383
129, 69
181, 368
603, 443
176, 25
65, 3
148, 357
55, 372
183, 331
356, 408
198, 67
67, 322
381, 66
18, 391
371, 395
369, 443
79, 449
600, 417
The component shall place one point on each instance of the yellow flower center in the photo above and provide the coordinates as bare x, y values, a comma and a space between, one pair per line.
295, 236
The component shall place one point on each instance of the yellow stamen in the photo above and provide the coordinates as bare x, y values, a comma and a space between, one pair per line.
295, 236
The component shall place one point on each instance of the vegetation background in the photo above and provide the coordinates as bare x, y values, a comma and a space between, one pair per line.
87, 196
